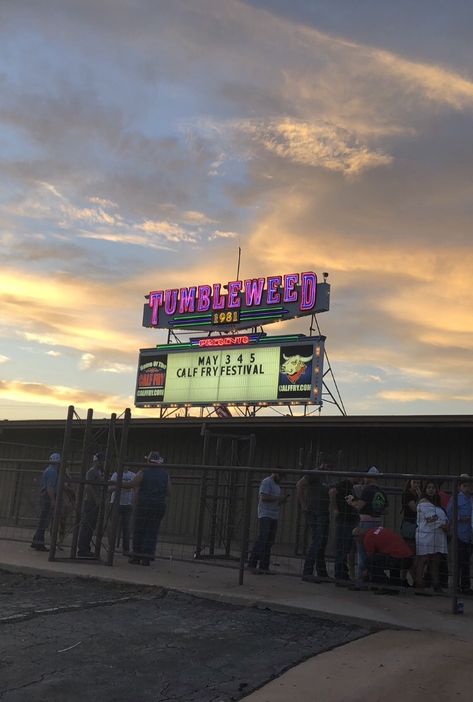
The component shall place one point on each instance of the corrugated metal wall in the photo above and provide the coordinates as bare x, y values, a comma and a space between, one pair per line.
437, 445
394, 444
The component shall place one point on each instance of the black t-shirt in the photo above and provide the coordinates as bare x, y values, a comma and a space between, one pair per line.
319, 499
409, 514
376, 502
345, 511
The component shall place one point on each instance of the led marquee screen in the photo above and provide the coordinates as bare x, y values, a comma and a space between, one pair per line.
259, 373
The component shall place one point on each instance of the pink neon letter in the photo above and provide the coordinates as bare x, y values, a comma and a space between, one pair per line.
273, 297
308, 291
155, 301
254, 291
203, 301
233, 289
218, 299
170, 301
187, 301
290, 281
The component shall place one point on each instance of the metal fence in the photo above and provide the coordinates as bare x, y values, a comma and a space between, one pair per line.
211, 514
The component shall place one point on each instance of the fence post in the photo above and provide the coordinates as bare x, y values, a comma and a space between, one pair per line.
202, 497
245, 526
60, 482
214, 503
118, 488
105, 494
15, 505
454, 549
80, 493
229, 515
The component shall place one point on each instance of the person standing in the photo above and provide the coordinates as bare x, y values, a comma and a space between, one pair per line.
269, 503
464, 532
431, 536
125, 508
48, 486
346, 519
67, 511
410, 498
371, 505
314, 497
153, 489
91, 507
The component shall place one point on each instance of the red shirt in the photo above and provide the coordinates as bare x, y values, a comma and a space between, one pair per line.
444, 499
387, 542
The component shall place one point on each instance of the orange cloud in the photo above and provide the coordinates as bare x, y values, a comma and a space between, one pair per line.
62, 396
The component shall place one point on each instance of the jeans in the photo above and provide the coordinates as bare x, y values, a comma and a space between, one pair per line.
464, 555
343, 544
261, 552
364, 525
90, 513
148, 518
319, 525
380, 562
44, 518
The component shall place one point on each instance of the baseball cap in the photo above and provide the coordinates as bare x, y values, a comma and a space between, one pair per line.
373, 471
154, 457
55, 458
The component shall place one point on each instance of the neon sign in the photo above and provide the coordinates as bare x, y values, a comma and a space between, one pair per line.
216, 341
269, 373
244, 304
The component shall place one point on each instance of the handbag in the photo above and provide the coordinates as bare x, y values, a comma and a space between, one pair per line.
408, 530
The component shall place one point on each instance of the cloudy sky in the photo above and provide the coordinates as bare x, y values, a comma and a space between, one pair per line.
143, 141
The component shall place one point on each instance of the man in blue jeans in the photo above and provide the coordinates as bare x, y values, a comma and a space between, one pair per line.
464, 532
371, 505
48, 487
269, 503
314, 498
346, 519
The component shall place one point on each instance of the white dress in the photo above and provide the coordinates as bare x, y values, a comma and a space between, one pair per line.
430, 537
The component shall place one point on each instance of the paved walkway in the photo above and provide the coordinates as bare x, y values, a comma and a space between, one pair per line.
429, 656
386, 667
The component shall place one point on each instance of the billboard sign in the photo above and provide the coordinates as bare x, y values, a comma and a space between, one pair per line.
240, 304
263, 371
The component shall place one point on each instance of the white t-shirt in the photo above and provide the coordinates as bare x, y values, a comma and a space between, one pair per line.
126, 496
268, 509
430, 537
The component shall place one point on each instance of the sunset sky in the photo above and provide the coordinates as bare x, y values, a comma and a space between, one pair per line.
143, 141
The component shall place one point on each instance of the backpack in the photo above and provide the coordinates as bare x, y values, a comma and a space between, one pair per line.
379, 503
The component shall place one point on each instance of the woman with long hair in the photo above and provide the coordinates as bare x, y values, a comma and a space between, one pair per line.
431, 536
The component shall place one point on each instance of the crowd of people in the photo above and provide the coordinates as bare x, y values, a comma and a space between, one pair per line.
367, 553
142, 506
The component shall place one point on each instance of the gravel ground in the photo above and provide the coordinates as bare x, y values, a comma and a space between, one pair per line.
77, 640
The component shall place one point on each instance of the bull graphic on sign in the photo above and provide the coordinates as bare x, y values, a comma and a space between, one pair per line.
295, 366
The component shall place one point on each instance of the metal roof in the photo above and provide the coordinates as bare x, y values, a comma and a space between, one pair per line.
313, 421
